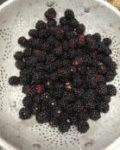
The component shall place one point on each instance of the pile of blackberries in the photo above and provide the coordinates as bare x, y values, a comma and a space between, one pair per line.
64, 73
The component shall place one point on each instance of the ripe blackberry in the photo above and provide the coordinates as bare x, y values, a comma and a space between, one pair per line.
97, 37
18, 55
83, 126
58, 51
23, 41
69, 14
77, 81
34, 33
14, 80
24, 113
50, 13
36, 108
40, 25
94, 115
104, 107
78, 92
111, 90
42, 117
52, 103
27, 52
45, 96
20, 64
64, 127
74, 23
63, 21
81, 40
53, 123
31, 61
37, 99
27, 102
107, 41
78, 107
80, 29
57, 112
68, 97
110, 76
51, 23
101, 89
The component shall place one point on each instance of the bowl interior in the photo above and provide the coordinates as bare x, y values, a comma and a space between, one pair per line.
17, 17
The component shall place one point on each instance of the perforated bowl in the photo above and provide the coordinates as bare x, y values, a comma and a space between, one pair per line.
16, 18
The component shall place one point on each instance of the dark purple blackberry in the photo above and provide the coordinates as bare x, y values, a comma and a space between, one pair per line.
24, 113
106, 98
68, 97
51, 23
83, 126
42, 117
97, 37
111, 90
83, 116
104, 107
69, 14
31, 61
74, 23
34, 33
78, 107
107, 41
64, 127
20, 64
80, 29
78, 92
77, 81
27, 102
27, 52
94, 115
63, 21
40, 25
101, 89
40, 66
53, 123
110, 76
18, 55
36, 108
58, 51
24, 80
14, 80
52, 103
50, 14
37, 99
45, 96
23, 41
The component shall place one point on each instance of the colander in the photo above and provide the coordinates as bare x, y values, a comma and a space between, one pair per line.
16, 18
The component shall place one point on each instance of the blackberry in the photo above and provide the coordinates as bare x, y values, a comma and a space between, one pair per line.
53, 123
27, 52
107, 41
111, 90
97, 37
58, 51
52, 103
104, 107
40, 25
36, 108
64, 127
83, 126
31, 61
18, 55
101, 89
74, 23
106, 98
69, 97
69, 14
110, 76
37, 99
57, 112
27, 101
80, 29
45, 96
23, 41
51, 23
42, 117
24, 113
34, 33
94, 115
79, 92
20, 64
50, 13
63, 21
81, 40
78, 107
14, 80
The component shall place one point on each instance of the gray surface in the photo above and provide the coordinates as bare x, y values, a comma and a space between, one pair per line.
16, 19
